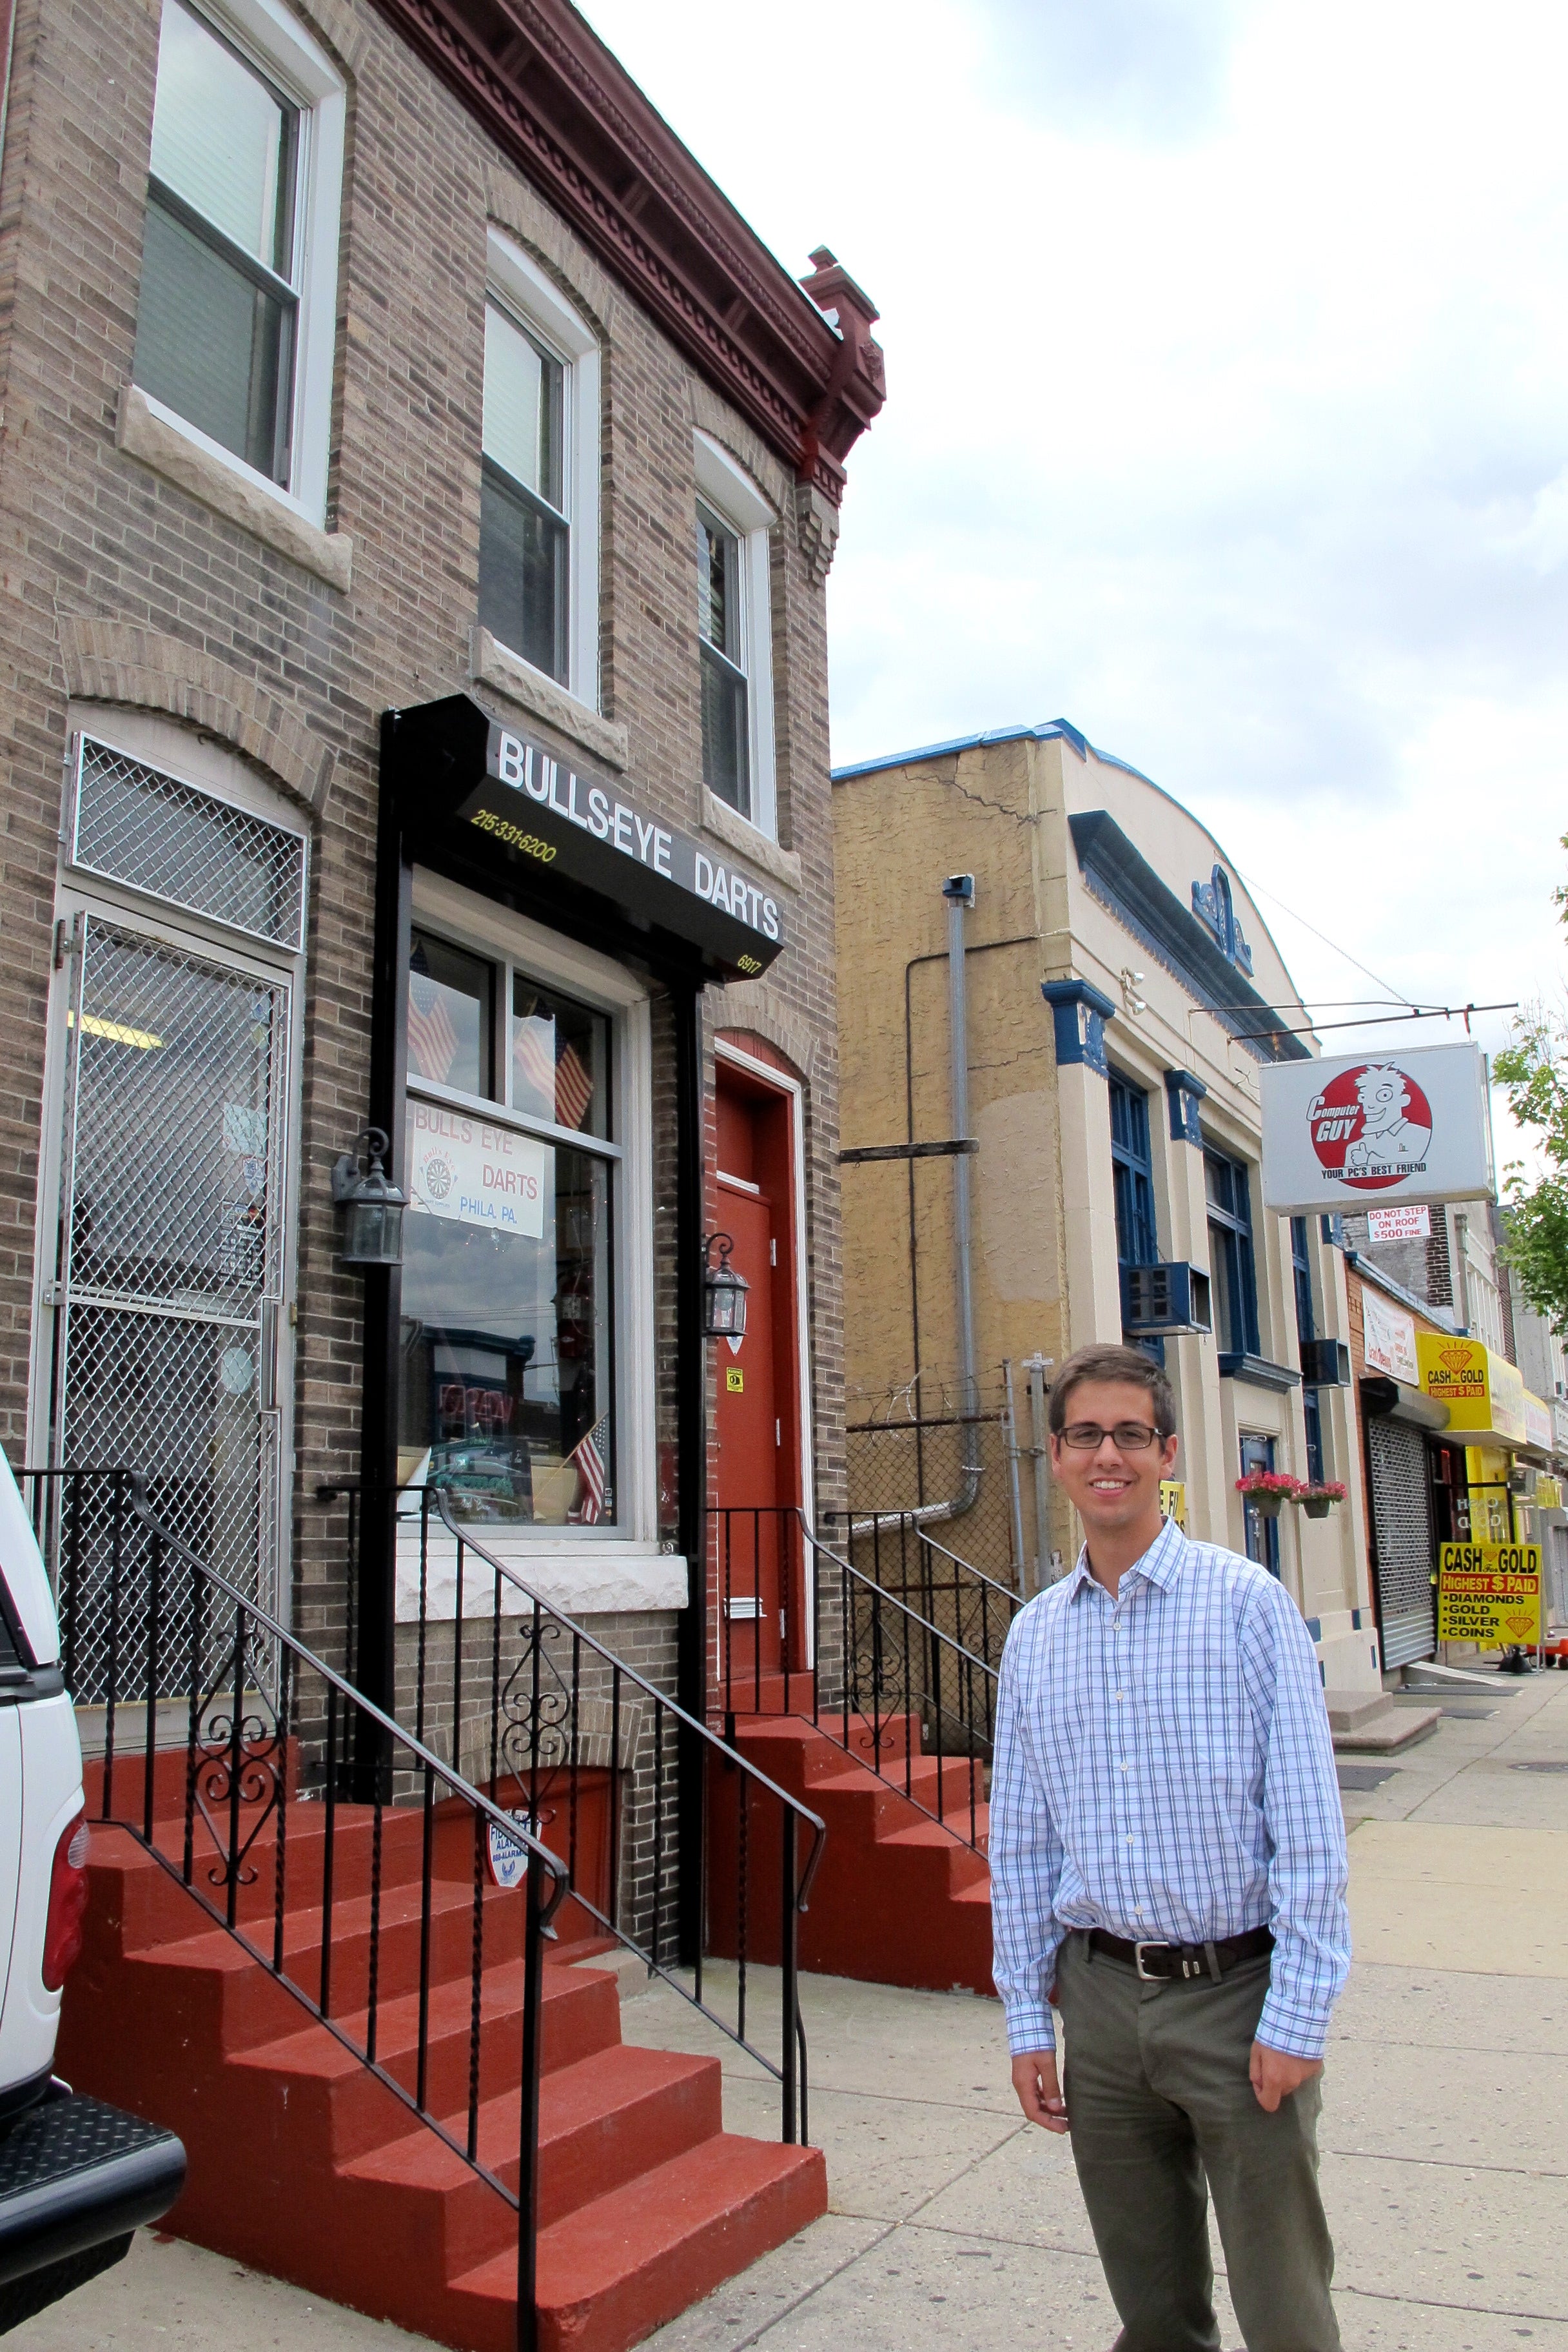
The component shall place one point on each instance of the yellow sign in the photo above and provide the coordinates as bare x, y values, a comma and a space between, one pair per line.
734, 1378
1483, 1391
1173, 1501
1489, 1594
1549, 1493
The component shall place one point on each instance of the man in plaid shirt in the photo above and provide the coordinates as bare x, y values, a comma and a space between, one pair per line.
1167, 1859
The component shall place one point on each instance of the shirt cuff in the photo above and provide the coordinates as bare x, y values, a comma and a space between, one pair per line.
1030, 2026
1297, 2035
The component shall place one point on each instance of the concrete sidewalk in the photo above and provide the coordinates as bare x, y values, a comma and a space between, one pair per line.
952, 2223
1444, 2150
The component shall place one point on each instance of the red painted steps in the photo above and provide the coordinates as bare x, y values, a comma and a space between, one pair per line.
303, 2164
899, 1899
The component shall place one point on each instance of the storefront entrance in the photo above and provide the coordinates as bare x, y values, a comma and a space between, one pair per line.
1403, 1541
168, 1152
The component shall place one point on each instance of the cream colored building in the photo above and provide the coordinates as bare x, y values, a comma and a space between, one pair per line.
1122, 992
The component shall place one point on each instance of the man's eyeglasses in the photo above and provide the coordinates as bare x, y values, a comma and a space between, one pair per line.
1128, 1436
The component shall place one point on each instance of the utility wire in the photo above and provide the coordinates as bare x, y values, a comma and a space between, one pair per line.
1382, 1021
1393, 994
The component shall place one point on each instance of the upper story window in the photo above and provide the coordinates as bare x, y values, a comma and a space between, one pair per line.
1132, 1189
539, 511
1231, 1264
1307, 1328
525, 538
734, 636
726, 704
1133, 1175
233, 332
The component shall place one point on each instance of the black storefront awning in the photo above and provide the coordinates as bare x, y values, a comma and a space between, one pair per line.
491, 807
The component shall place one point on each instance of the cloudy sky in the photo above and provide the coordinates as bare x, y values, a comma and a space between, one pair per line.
1228, 355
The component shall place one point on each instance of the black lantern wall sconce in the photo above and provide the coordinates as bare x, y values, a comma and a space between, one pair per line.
372, 1206
723, 1291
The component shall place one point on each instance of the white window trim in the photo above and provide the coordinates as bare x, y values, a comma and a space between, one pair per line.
591, 1562
279, 45
519, 286
729, 489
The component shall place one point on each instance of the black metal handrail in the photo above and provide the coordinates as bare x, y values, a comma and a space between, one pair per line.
895, 1669
271, 1733
965, 1601
546, 1696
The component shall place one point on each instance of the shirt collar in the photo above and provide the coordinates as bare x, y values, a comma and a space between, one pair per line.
1161, 1564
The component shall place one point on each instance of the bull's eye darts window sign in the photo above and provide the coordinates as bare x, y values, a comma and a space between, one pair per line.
1375, 1134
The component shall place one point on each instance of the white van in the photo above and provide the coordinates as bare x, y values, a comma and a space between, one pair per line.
77, 2178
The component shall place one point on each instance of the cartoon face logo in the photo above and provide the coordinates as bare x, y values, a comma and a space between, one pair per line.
1370, 1127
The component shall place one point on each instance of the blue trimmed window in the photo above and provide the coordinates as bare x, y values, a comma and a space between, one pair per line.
1231, 1264
1133, 1186
1306, 1325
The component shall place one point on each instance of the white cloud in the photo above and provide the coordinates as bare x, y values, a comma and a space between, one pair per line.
1227, 364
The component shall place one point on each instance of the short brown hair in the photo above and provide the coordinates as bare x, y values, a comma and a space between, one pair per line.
1131, 1366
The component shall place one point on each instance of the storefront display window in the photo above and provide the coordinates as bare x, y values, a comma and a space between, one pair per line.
507, 1373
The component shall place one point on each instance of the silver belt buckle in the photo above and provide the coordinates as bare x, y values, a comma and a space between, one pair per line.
1151, 1944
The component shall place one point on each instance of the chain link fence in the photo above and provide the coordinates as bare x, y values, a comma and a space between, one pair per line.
934, 1507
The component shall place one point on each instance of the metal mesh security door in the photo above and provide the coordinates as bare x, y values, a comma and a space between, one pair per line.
171, 1255
1402, 1529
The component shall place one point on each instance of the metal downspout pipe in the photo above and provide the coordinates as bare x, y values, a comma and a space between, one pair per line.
959, 892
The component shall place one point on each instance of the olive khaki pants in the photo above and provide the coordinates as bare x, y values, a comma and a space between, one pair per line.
1157, 2090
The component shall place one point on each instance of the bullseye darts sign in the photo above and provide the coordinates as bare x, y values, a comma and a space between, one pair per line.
1362, 1133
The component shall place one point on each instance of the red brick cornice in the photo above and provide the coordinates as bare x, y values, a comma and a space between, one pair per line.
552, 95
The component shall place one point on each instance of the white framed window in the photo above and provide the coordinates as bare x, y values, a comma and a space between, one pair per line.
527, 1280
236, 321
734, 631
538, 499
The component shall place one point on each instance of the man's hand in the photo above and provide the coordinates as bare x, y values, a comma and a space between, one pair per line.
1274, 2075
1039, 2093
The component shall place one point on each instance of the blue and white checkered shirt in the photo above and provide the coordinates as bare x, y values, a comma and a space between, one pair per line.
1164, 1769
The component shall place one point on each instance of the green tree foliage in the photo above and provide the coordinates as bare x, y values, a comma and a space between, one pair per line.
1534, 1069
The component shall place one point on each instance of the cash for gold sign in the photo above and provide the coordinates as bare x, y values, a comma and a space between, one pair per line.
1489, 1594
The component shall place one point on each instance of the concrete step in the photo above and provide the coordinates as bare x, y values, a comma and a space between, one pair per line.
1381, 1728
899, 1899
612, 2272
305, 2163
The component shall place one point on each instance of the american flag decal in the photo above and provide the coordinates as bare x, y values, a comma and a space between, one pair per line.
432, 1040
588, 1455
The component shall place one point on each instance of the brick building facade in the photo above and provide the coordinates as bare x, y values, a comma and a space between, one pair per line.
498, 339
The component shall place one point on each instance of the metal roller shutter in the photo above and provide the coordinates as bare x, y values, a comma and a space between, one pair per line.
1402, 1529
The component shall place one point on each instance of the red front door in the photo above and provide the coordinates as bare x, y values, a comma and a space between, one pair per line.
756, 1428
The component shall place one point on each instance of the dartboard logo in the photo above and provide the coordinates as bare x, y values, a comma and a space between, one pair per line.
1372, 1127
438, 1174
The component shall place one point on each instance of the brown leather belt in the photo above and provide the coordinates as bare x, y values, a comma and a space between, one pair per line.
1158, 1962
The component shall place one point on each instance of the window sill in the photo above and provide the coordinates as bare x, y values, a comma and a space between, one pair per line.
588, 1577
738, 833
495, 664
1257, 1371
144, 432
